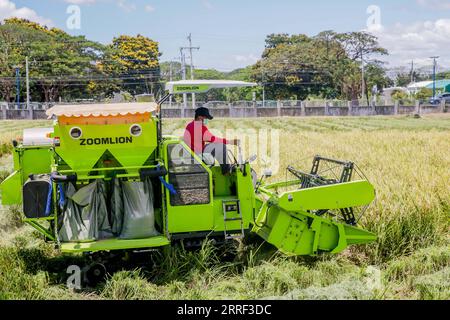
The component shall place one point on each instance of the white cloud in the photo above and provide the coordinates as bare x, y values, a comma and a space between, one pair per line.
149, 8
8, 9
418, 41
126, 6
435, 4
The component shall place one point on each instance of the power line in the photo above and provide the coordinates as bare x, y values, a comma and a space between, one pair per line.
190, 48
72, 78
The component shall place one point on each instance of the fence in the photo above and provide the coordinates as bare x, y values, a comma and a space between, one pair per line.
256, 109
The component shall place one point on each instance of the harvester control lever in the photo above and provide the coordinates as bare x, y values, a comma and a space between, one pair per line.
61, 178
159, 172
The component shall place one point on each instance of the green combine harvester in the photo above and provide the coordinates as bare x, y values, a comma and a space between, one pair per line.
105, 179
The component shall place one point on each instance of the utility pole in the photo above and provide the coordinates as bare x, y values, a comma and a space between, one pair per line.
190, 48
28, 84
434, 75
17, 68
170, 79
263, 87
183, 72
363, 86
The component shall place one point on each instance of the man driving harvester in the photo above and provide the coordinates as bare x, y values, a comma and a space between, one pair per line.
203, 142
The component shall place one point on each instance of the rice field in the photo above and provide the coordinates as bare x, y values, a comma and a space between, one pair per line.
406, 158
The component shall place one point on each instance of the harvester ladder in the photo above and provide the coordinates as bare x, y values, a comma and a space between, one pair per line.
232, 206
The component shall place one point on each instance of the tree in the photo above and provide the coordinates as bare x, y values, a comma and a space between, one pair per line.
72, 67
361, 46
165, 70
398, 95
137, 59
58, 61
324, 65
289, 68
403, 77
376, 76
358, 44
424, 93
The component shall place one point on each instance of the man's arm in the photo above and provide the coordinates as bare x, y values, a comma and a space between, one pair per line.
209, 137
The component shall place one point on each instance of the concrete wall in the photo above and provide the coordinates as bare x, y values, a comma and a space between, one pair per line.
406, 109
7, 114
245, 110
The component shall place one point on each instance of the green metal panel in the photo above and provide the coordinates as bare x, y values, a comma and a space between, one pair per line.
207, 217
189, 218
34, 160
27, 160
115, 244
301, 233
219, 223
246, 194
11, 189
222, 184
284, 221
84, 152
343, 195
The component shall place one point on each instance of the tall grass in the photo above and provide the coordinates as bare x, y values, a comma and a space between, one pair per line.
5, 148
12, 130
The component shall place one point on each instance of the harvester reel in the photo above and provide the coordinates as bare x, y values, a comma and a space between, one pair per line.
341, 172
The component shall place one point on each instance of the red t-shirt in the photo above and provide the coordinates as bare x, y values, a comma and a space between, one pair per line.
197, 135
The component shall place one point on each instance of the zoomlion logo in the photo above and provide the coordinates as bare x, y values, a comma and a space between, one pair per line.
188, 88
100, 141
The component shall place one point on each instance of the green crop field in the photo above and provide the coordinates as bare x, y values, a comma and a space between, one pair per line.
406, 158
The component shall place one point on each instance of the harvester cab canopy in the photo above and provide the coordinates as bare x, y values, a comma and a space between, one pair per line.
201, 86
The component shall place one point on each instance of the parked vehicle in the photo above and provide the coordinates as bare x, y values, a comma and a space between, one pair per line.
439, 98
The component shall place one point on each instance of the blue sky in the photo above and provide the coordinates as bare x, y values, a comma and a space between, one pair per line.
231, 33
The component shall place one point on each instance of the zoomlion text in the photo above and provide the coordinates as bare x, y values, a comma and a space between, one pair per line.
100, 141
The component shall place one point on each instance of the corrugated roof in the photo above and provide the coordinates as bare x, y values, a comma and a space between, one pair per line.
97, 110
440, 84
419, 85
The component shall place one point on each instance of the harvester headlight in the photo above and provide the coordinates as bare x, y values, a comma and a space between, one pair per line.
76, 133
135, 130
